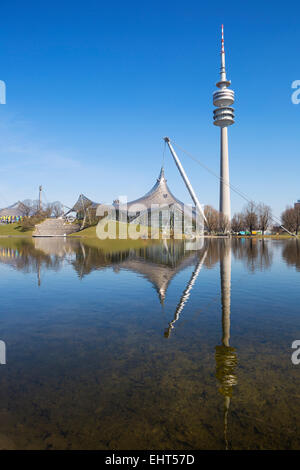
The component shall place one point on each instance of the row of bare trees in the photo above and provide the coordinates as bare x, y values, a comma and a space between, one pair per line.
253, 217
31, 208
32, 212
290, 219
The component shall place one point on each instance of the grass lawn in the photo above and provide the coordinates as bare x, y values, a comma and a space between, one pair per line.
115, 228
14, 230
89, 232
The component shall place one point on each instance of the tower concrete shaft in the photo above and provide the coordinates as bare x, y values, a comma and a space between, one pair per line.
224, 117
224, 175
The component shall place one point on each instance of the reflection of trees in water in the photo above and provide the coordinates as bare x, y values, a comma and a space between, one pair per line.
254, 252
24, 257
88, 259
291, 253
172, 255
27, 256
213, 252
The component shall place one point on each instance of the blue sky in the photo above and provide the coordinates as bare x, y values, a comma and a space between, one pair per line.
92, 87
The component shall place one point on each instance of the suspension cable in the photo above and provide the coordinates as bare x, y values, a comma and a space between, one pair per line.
231, 186
45, 197
163, 158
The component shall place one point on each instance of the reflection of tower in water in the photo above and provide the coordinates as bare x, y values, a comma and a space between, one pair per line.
226, 358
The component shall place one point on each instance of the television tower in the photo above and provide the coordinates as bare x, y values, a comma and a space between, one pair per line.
40, 197
224, 117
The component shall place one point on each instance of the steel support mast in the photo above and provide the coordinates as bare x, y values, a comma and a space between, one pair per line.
185, 179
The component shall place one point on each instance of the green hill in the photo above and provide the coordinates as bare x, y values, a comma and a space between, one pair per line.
14, 230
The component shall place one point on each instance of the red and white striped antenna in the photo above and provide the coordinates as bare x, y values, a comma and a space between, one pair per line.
222, 46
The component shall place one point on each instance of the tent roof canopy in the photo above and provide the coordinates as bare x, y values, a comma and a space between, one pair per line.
82, 204
15, 210
159, 194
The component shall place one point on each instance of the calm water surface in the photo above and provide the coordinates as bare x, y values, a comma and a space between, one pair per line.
159, 346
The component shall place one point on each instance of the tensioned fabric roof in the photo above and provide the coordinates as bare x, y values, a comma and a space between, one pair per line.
83, 203
159, 194
15, 210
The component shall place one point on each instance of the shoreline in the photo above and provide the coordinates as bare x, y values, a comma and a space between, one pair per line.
83, 237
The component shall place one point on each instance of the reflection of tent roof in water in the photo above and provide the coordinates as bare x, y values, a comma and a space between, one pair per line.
159, 266
15, 210
156, 264
160, 270
160, 276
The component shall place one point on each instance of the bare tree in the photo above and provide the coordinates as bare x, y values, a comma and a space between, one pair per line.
289, 219
212, 218
297, 215
238, 222
25, 209
35, 207
250, 216
32, 207
224, 223
264, 214
55, 209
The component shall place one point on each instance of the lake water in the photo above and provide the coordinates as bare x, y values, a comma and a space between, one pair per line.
154, 346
